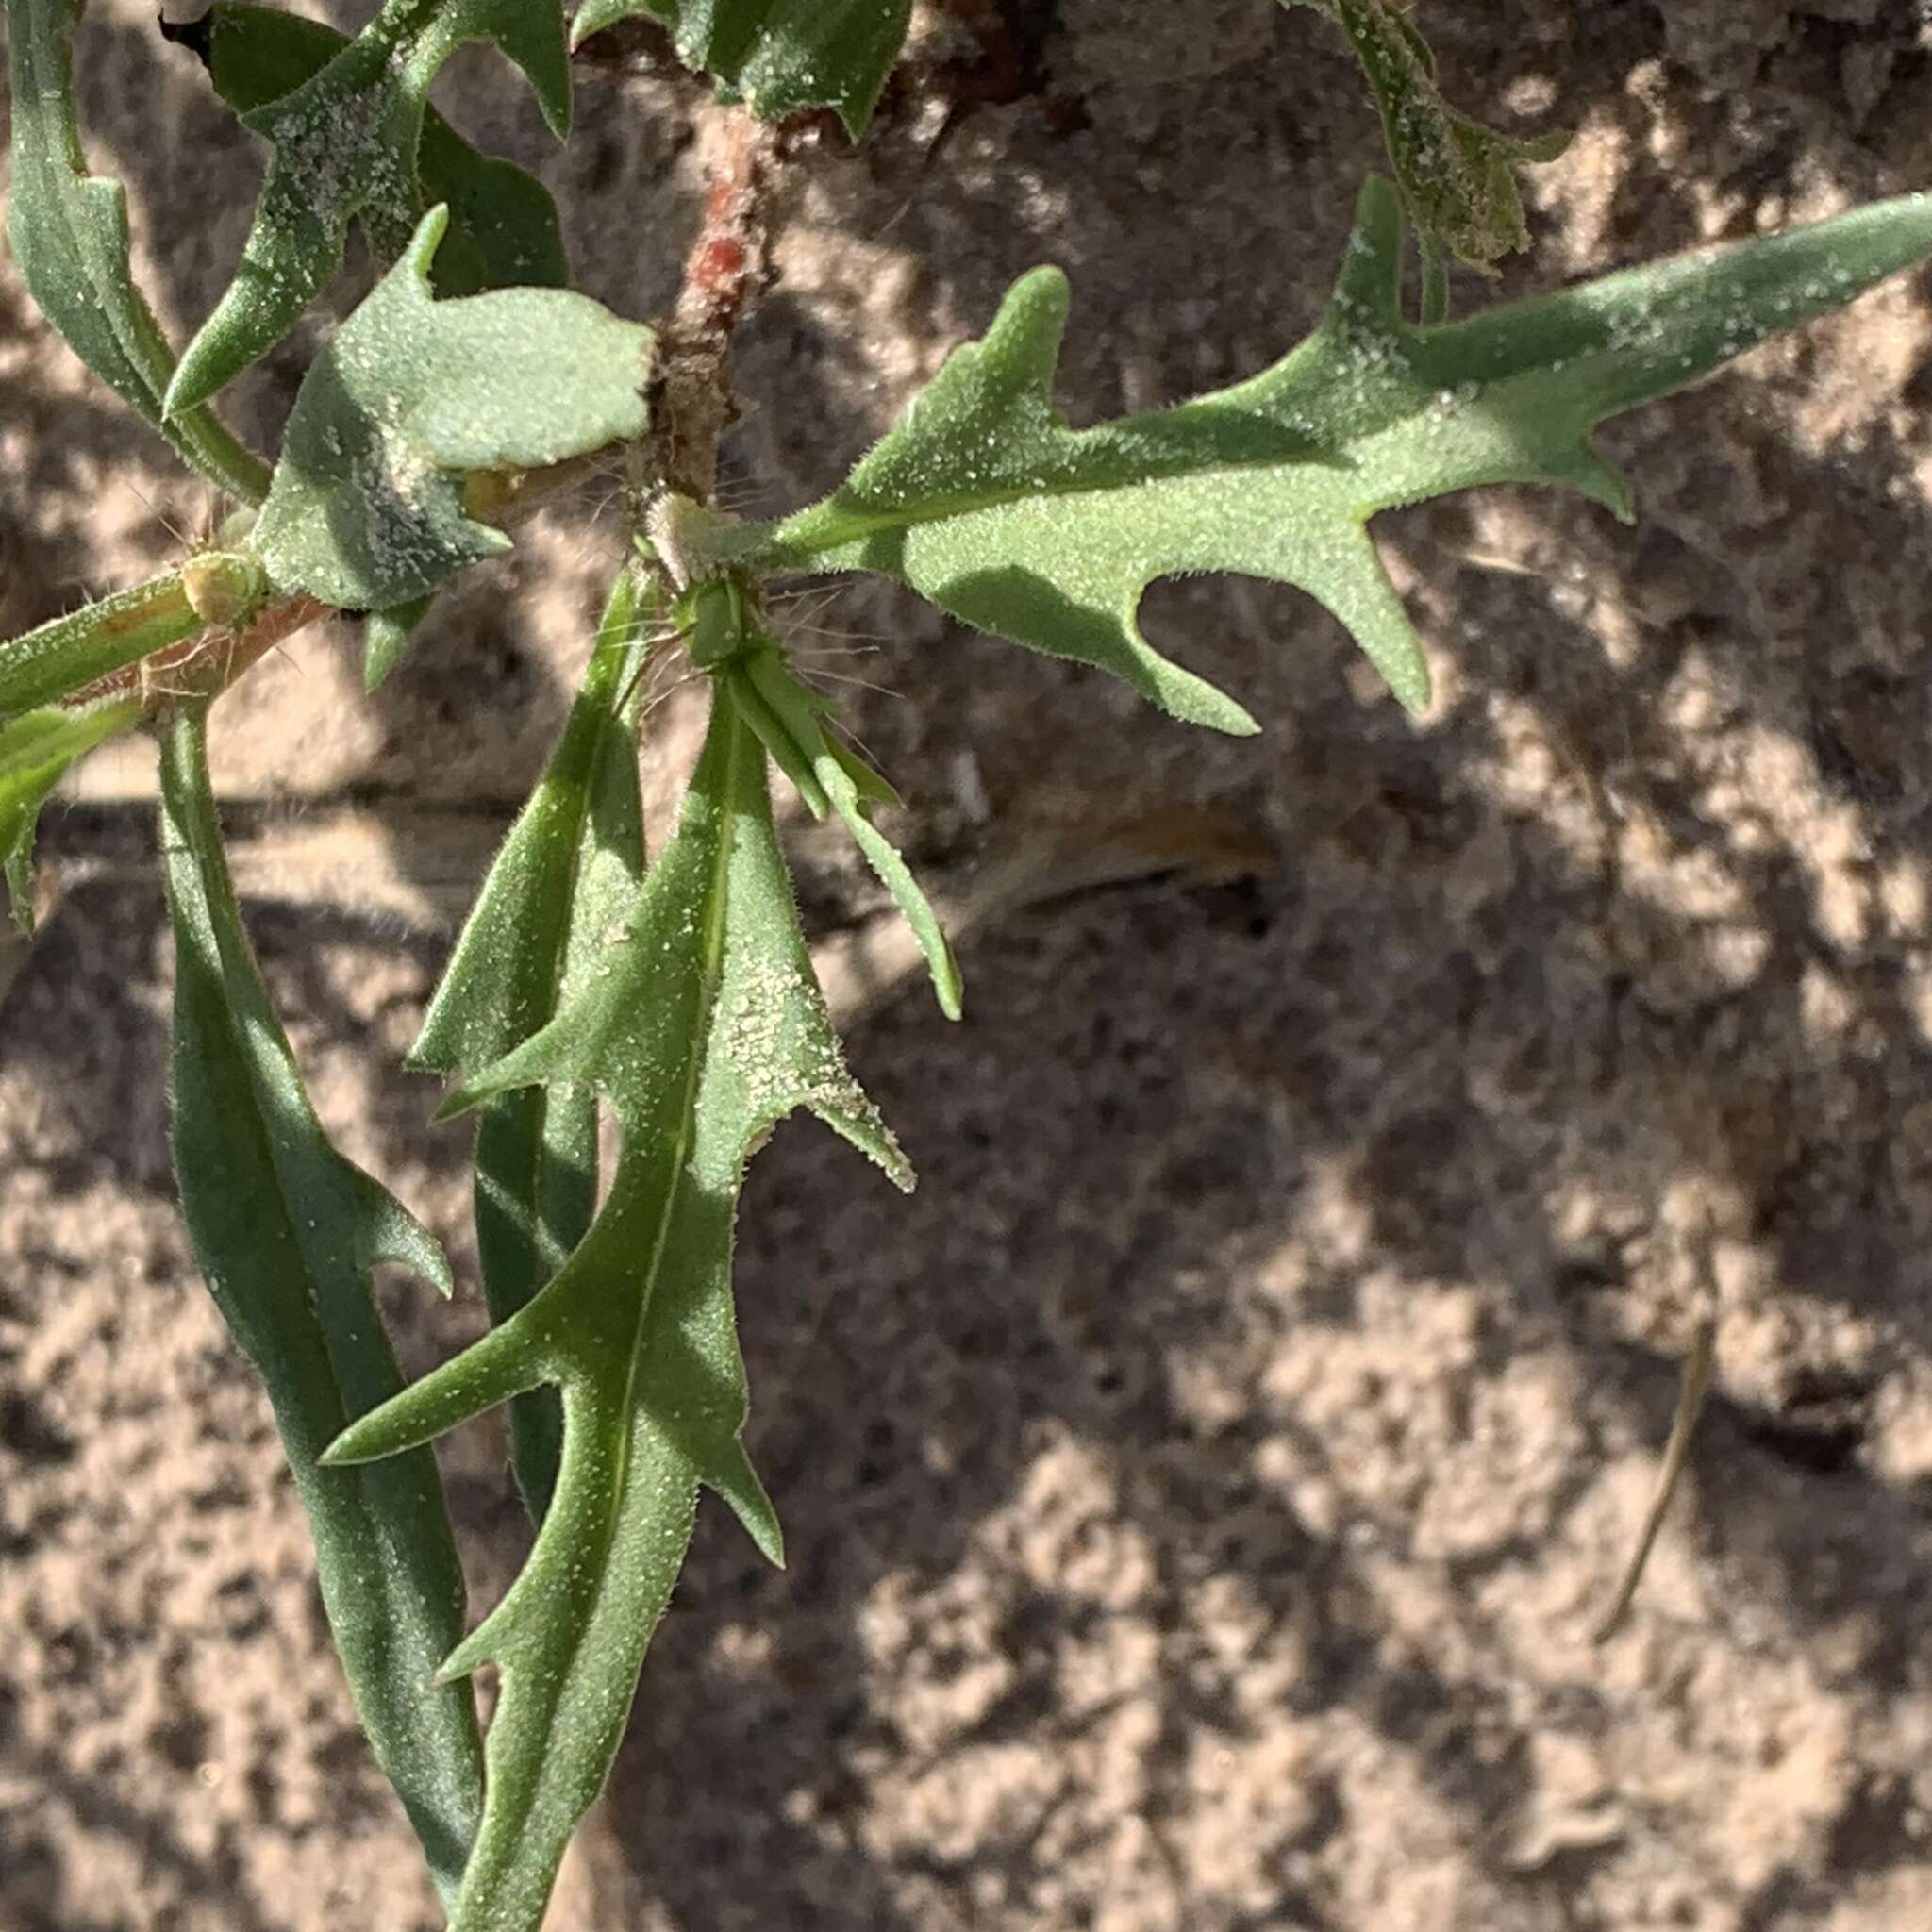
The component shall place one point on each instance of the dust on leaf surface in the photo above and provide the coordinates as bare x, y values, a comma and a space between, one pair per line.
411, 395
780, 57
504, 229
564, 882
347, 145
990, 506
705, 1027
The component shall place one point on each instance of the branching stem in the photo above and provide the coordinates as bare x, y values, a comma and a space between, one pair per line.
694, 405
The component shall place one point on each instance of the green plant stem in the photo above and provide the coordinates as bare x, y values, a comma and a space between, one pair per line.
79, 650
151, 640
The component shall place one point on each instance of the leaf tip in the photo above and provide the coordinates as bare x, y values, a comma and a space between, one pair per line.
736, 1482
1367, 291
554, 103
950, 993
1591, 474
469, 1656
1041, 296
1206, 705
346, 1450
1414, 694
386, 637
197, 378
424, 243
1404, 670
454, 1105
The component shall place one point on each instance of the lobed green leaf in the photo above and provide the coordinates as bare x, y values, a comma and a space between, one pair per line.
35, 751
700, 1017
286, 1232
346, 146
412, 397
984, 502
504, 229
69, 233
780, 57
563, 884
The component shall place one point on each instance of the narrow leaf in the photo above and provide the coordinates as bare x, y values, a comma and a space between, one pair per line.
553, 906
781, 56
347, 147
35, 753
69, 233
1457, 177
988, 505
786, 717
286, 1232
412, 397
705, 1027
504, 228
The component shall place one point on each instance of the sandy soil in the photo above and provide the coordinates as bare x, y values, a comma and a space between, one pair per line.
1200, 1495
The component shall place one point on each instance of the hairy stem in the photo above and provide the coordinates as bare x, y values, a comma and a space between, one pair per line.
206, 663
723, 275
80, 656
151, 642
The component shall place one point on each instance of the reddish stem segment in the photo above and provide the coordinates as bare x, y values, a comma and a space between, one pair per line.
723, 275
726, 262
206, 663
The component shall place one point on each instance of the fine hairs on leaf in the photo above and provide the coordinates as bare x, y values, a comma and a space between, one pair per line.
704, 1025
727, 638
286, 1233
69, 233
543, 924
986, 503
347, 145
677, 987
68, 654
